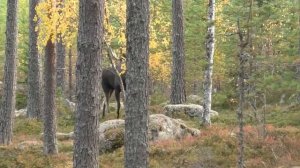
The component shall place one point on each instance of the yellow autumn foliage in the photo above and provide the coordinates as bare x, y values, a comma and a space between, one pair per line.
57, 18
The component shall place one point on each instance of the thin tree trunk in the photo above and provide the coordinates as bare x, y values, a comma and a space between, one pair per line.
61, 55
50, 145
210, 47
70, 74
299, 26
8, 102
136, 111
88, 73
60, 65
243, 58
177, 85
34, 105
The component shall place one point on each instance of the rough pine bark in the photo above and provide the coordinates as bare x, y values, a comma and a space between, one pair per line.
70, 74
88, 73
50, 141
177, 85
210, 47
34, 105
8, 100
61, 55
60, 65
243, 58
137, 60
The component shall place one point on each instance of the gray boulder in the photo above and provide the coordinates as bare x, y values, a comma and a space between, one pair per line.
111, 133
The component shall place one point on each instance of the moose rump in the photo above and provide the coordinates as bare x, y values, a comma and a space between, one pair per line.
111, 82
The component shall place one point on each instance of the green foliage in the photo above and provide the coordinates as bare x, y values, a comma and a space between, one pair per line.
65, 117
21, 100
25, 126
157, 98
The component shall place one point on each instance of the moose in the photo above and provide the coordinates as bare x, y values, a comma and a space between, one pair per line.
111, 82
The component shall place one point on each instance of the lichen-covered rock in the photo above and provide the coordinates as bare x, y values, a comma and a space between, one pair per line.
111, 133
164, 127
191, 110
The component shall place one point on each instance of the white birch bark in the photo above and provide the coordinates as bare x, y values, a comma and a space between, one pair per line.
210, 47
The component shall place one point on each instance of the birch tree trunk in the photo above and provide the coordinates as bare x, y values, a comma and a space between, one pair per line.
177, 85
210, 47
34, 102
136, 105
88, 75
50, 141
8, 102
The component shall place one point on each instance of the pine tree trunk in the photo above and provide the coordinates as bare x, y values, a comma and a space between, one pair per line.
243, 58
240, 112
50, 145
210, 46
8, 102
177, 85
299, 26
60, 65
70, 74
88, 73
136, 113
34, 106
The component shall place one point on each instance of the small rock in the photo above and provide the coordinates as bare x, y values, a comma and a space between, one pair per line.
70, 104
27, 144
21, 112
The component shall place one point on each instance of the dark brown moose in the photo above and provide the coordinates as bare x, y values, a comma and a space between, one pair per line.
111, 82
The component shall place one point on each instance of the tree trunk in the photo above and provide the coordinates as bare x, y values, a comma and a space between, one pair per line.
210, 47
60, 65
299, 26
243, 58
8, 102
70, 74
34, 106
177, 85
88, 73
61, 55
136, 112
50, 145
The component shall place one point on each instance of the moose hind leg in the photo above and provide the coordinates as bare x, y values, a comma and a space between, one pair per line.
106, 105
117, 94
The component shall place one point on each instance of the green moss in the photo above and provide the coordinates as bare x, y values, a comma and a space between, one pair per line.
116, 136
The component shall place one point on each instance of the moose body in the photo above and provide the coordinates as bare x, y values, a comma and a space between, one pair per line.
111, 82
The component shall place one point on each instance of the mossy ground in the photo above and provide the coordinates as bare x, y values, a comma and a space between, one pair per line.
215, 148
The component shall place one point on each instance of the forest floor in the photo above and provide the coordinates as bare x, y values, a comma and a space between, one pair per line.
216, 147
